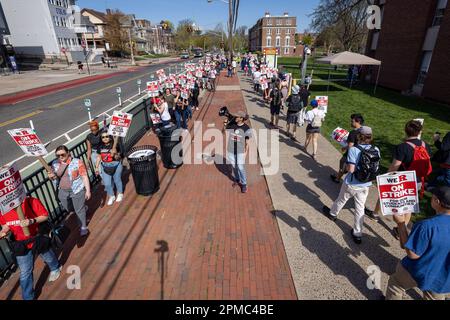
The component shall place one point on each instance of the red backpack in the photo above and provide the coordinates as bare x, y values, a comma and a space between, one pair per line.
421, 163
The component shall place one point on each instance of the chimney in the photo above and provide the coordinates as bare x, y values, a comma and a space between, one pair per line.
286, 14
267, 14
108, 11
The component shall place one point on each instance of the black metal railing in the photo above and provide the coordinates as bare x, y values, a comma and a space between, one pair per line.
38, 185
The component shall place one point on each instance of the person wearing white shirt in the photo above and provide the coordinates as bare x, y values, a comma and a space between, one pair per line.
256, 78
163, 108
314, 118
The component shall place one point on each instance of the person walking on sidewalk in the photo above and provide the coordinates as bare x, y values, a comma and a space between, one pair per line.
72, 183
212, 79
362, 165
256, 80
110, 161
93, 140
25, 253
426, 264
294, 103
163, 109
238, 133
234, 66
314, 118
276, 101
357, 121
181, 114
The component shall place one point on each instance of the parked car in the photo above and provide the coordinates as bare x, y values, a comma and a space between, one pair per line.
184, 55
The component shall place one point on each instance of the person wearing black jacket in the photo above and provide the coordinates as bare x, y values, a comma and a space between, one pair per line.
443, 158
294, 103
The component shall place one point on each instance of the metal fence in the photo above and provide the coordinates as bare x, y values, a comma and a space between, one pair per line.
38, 185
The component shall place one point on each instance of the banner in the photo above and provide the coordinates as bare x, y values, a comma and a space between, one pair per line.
398, 193
153, 89
323, 103
340, 136
28, 141
12, 191
120, 123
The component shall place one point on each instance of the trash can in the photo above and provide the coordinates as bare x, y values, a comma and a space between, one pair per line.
144, 169
169, 138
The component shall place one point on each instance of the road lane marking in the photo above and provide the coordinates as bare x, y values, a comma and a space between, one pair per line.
29, 115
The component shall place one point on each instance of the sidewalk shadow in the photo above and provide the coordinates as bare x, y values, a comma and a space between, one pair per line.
264, 121
302, 191
223, 167
332, 255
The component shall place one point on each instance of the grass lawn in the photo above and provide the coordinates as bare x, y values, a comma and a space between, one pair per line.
386, 112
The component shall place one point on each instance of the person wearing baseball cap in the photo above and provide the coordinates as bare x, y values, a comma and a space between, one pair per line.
238, 135
426, 265
294, 103
358, 180
314, 118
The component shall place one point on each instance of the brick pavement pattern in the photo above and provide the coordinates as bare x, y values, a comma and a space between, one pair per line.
222, 245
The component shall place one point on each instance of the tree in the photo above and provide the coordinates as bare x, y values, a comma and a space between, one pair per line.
308, 39
184, 35
240, 40
115, 34
344, 20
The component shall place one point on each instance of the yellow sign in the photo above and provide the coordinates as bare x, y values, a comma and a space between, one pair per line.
270, 51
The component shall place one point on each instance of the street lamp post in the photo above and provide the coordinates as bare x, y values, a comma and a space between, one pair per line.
230, 25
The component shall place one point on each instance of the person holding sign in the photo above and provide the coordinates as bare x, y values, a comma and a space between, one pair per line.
72, 183
362, 165
181, 115
24, 246
426, 264
92, 141
110, 161
163, 109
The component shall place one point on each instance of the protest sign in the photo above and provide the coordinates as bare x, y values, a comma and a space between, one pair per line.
12, 191
398, 193
161, 75
120, 123
184, 93
153, 89
199, 73
323, 103
28, 141
156, 118
340, 136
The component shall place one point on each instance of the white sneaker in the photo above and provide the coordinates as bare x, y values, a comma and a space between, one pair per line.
111, 200
54, 275
119, 197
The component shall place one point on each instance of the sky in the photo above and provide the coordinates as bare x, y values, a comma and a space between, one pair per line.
206, 15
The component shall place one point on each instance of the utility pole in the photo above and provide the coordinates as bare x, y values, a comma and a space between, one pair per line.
131, 47
230, 28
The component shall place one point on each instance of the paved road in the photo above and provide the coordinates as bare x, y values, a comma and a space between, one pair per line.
56, 113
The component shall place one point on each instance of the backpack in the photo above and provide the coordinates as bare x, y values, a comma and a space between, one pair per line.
369, 164
295, 104
317, 121
421, 164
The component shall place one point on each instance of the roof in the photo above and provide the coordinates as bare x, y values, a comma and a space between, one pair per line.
349, 58
98, 14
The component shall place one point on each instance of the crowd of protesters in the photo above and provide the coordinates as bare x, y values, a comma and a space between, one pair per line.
427, 243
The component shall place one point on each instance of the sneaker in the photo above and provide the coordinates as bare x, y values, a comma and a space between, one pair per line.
119, 197
356, 239
244, 189
334, 178
327, 212
84, 232
111, 200
54, 275
371, 214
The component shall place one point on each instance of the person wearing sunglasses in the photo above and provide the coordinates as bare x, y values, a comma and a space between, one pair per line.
72, 183
110, 161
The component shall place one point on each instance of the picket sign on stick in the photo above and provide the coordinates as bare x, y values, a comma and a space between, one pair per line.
12, 192
312, 74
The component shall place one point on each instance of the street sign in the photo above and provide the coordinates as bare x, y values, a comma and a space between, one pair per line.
139, 82
87, 103
119, 90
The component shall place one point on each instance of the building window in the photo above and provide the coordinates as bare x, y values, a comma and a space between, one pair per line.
269, 31
288, 31
426, 61
278, 31
286, 50
278, 42
279, 22
269, 41
288, 41
269, 22
438, 17
288, 22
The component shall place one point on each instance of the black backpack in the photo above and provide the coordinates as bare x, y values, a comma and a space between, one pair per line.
295, 104
368, 166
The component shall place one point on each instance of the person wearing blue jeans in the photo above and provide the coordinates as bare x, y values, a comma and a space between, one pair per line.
34, 214
110, 161
181, 113
238, 133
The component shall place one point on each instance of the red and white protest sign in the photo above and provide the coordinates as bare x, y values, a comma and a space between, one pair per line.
169, 84
153, 89
323, 103
199, 73
155, 117
263, 82
340, 135
28, 141
184, 93
398, 193
120, 123
12, 191
161, 74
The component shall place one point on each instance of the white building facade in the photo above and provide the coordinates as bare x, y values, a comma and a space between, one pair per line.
44, 28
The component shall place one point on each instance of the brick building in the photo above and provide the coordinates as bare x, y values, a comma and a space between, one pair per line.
274, 32
414, 47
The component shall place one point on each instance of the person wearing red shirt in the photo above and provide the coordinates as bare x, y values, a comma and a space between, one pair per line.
34, 213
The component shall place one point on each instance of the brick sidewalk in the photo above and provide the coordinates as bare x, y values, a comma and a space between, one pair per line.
222, 244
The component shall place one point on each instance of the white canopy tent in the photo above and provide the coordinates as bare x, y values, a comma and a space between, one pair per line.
351, 58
